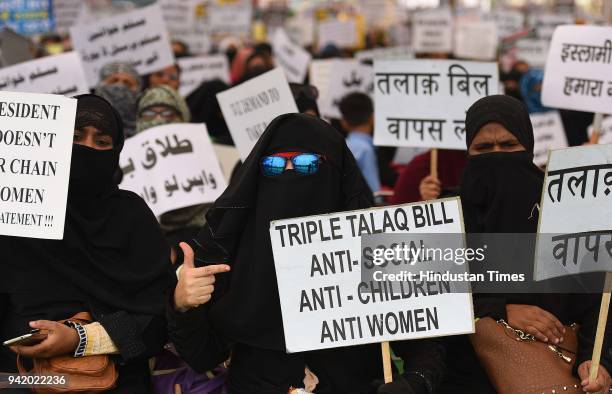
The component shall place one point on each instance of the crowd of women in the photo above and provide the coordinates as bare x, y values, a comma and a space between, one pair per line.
199, 286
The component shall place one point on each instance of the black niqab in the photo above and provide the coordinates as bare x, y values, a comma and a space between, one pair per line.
245, 307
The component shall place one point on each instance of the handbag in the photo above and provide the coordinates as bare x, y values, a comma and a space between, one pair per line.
86, 375
517, 363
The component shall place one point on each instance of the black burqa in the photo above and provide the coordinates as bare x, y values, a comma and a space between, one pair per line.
204, 108
112, 257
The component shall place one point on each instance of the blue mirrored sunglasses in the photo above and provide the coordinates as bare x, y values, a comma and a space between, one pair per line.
303, 163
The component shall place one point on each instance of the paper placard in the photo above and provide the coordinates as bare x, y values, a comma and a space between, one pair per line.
477, 41
327, 306
249, 107
574, 232
422, 103
508, 22
346, 76
605, 134
548, 134
319, 76
184, 25
292, 58
388, 53
432, 31
138, 37
230, 18
545, 24
35, 150
60, 74
172, 166
578, 69
534, 51
66, 14
339, 33
197, 69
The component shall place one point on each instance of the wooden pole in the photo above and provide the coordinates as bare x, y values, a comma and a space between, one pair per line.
601, 327
597, 120
386, 358
433, 163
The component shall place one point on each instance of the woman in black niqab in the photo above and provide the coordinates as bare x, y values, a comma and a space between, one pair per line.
244, 314
112, 261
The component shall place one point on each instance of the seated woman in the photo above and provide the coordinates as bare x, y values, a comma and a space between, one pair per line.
500, 190
112, 263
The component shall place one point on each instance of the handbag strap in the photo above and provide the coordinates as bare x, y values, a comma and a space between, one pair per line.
20, 367
520, 334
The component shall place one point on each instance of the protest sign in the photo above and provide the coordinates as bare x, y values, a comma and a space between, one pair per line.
35, 149
422, 103
477, 41
249, 107
432, 31
545, 24
197, 69
339, 33
548, 134
27, 17
534, 51
325, 300
605, 133
172, 166
15, 48
138, 37
508, 22
386, 53
185, 25
577, 69
230, 17
66, 14
319, 77
60, 74
292, 58
574, 233
345, 76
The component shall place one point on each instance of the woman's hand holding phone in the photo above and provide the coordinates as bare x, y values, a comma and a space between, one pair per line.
60, 340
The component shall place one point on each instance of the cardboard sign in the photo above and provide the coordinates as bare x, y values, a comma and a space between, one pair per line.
339, 33
138, 37
197, 69
534, 51
432, 31
35, 149
325, 301
422, 103
292, 58
574, 232
548, 133
60, 74
249, 107
605, 134
346, 76
387, 53
508, 22
27, 17
477, 41
172, 166
578, 68
545, 24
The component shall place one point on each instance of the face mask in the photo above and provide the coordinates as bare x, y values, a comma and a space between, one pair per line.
92, 170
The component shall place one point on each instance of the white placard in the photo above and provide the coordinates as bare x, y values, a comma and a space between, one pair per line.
249, 107
477, 41
184, 25
66, 13
172, 166
534, 51
197, 69
60, 74
230, 18
292, 58
347, 306
138, 37
605, 134
578, 69
545, 24
35, 150
422, 103
346, 76
548, 134
319, 76
340, 33
386, 53
508, 22
432, 31
574, 230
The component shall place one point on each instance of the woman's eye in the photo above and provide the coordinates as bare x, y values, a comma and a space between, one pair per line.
103, 142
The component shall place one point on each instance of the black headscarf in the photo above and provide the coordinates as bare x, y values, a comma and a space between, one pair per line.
499, 191
204, 108
246, 306
113, 256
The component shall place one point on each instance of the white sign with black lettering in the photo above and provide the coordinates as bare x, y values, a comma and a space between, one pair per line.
346, 76
432, 31
534, 51
476, 40
138, 37
197, 69
574, 231
35, 150
422, 103
508, 22
172, 166
545, 24
339, 33
230, 17
324, 301
387, 53
291, 57
548, 134
578, 69
60, 74
605, 134
249, 107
